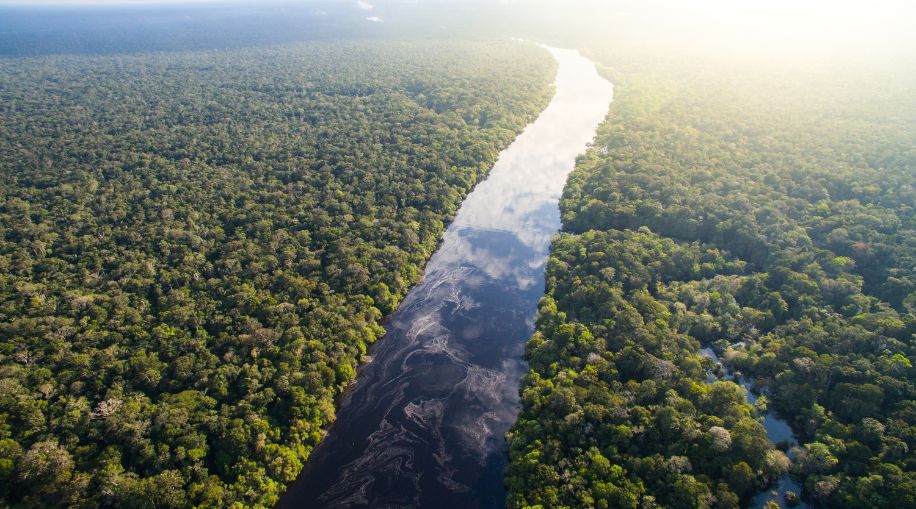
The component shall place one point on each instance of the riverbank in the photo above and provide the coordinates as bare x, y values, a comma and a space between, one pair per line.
425, 423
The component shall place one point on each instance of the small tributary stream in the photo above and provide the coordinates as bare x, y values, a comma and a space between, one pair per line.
778, 431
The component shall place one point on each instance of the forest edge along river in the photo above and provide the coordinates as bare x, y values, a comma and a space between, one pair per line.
425, 421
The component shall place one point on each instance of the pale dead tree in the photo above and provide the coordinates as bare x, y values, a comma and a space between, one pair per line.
664, 368
804, 364
106, 408
721, 438
679, 464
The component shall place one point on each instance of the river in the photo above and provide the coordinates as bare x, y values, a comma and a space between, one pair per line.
424, 423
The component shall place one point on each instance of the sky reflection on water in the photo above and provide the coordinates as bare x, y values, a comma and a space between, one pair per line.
425, 423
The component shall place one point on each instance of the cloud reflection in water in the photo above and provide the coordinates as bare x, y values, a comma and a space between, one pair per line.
424, 425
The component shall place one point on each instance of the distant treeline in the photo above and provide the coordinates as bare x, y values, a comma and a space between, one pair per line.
120, 29
769, 216
196, 249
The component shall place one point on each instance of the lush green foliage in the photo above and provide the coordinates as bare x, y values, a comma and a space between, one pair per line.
616, 409
196, 249
772, 220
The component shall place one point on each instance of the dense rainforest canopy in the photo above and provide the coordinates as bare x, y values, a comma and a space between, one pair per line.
769, 216
196, 249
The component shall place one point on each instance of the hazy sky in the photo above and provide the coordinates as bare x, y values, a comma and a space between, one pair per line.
812, 24
110, 2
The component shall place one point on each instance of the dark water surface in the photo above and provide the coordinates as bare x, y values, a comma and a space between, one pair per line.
424, 424
778, 430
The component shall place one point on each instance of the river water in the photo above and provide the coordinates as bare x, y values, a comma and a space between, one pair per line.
424, 423
778, 431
